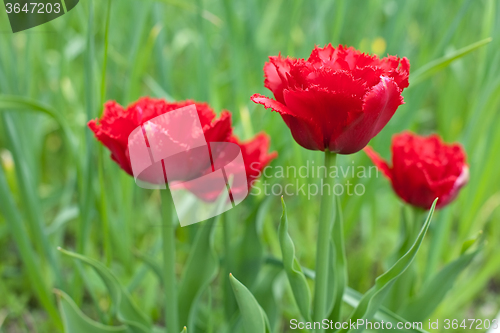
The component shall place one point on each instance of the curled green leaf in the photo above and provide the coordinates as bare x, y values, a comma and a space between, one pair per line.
75, 321
254, 318
373, 298
126, 311
433, 292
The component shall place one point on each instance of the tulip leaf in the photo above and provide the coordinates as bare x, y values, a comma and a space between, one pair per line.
126, 311
435, 290
373, 298
265, 294
250, 253
201, 268
293, 269
352, 297
245, 258
331, 288
254, 318
339, 269
75, 321
435, 66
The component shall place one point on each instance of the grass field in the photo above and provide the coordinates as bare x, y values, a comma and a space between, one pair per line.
58, 188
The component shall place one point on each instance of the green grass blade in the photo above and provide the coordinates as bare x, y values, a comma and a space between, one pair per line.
162, 62
134, 60
293, 270
103, 211
16, 103
156, 89
31, 263
88, 174
30, 199
453, 27
439, 64
105, 55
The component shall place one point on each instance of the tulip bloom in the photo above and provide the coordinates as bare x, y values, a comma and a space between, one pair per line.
423, 169
338, 99
117, 123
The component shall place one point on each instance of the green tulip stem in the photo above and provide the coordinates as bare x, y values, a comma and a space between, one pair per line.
230, 301
170, 288
326, 218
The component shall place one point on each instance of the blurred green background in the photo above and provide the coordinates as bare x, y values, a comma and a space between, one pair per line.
214, 51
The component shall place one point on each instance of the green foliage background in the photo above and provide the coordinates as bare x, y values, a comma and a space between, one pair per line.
214, 51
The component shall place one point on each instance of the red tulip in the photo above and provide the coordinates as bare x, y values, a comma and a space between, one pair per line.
423, 169
116, 124
338, 99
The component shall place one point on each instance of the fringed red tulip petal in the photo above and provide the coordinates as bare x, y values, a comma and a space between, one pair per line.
336, 100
